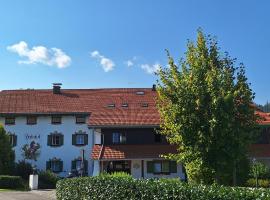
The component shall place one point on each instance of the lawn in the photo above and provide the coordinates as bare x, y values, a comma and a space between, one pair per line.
4, 190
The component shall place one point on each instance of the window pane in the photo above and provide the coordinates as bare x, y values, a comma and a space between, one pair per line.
10, 120
56, 119
123, 138
31, 120
80, 120
116, 138
166, 166
157, 167
79, 139
55, 166
78, 164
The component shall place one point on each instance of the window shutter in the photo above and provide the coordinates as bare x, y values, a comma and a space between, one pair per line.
61, 165
15, 140
49, 140
85, 166
85, 139
61, 140
73, 165
173, 167
48, 165
150, 167
73, 139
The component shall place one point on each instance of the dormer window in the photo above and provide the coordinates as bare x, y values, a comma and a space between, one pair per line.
144, 105
125, 105
140, 93
111, 105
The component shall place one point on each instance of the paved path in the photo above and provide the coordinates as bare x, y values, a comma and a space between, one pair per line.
32, 195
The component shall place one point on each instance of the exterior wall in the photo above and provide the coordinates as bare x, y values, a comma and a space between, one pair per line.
67, 152
133, 135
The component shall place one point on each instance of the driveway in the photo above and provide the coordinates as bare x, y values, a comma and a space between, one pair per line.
32, 195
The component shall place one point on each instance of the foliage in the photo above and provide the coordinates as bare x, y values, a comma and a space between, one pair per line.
23, 169
47, 180
116, 174
265, 183
205, 108
259, 170
13, 182
122, 188
7, 155
32, 151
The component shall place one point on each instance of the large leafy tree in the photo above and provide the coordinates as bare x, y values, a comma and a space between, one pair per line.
205, 108
7, 155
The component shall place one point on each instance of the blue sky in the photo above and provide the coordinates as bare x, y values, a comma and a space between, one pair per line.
90, 43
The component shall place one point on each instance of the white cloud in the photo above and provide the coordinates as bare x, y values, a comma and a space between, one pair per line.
106, 63
151, 69
129, 63
40, 54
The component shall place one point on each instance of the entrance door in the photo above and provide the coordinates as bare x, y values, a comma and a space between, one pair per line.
119, 166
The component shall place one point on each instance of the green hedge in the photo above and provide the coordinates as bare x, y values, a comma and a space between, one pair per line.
120, 188
12, 182
47, 180
265, 183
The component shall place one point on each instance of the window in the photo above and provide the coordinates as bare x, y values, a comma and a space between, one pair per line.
79, 167
157, 138
31, 120
125, 105
10, 120
13, 140
55, 139
56, 119
119, 138
144, 105
111, 105
80, 138
80, 120
55, 165
161, 167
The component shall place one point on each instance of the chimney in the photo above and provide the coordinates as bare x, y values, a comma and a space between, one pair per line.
154, 87
57, 88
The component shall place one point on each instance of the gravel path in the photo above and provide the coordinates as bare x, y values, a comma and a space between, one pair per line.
32, 195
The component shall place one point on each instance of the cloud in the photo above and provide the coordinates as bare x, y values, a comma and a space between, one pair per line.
129, 63
151, 69
40, 54
106, 63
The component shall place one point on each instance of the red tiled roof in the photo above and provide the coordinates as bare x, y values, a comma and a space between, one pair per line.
93, 101
108, 152
264, 118
260, 150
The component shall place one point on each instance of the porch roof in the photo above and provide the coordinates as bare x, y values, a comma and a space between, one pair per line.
117, 152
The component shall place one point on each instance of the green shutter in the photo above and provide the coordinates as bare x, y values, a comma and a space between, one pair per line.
48, 165
61, 140
73, 139
73, 165
61, 165
150, 167
173, 167
85, 139
49, 140
15, 140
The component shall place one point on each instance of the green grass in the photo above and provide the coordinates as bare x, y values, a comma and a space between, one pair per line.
5, 190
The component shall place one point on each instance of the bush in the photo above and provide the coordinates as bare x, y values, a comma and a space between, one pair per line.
120, 188
23, 169
265, 183
47, 180
13, 182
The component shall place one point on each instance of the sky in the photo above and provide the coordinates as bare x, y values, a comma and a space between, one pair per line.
121, 43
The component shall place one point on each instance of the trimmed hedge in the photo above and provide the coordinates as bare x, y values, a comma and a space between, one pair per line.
265, 183
47, 180
122, 188
12, 182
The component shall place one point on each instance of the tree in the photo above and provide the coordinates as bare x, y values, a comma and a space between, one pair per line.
258, 170
205, 108
7, 155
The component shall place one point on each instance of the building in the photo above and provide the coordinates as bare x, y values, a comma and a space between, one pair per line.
99, 130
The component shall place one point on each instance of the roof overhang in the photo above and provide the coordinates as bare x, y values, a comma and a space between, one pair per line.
123, 126
45, 114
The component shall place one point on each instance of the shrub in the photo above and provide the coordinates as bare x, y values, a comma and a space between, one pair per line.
23, 169
265, 183
13, 182
47, 180
119, 188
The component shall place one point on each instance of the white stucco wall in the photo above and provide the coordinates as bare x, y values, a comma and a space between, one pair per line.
67, 152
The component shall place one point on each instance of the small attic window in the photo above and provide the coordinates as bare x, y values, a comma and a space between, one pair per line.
140, 93
111, 105
145, 105
124, 105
